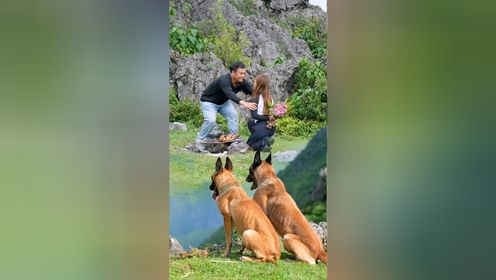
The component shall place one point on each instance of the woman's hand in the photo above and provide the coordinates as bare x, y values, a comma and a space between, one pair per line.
271, 123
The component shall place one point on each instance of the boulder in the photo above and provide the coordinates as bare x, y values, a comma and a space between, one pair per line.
305, 12
218, 148
321, 230
238, 147
191, 75
281, 79
270, 41
177, 126
175, 248
284, 5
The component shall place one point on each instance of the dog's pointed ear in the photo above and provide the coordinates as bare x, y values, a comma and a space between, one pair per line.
218, 164
257, 161
269, 159
229, 165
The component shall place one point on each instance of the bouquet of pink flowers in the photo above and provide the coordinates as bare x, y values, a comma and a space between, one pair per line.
276, 112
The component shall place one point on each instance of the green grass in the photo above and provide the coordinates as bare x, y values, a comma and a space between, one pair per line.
189, 171
216, 267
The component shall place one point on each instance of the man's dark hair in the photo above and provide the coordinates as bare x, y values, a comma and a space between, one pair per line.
236, 65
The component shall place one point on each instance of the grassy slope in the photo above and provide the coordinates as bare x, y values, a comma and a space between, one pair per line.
204, 268
216, 267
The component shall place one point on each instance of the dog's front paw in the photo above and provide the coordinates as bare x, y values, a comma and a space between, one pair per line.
226, 254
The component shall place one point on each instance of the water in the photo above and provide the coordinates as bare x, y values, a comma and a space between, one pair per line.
194, 217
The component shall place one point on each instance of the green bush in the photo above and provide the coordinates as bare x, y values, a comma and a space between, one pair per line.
316, 212
243, 128
186, 40
313, 32
227, 42
185, 37
184, 111
292, 127
309, 99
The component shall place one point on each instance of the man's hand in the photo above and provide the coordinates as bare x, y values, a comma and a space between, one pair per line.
248, 105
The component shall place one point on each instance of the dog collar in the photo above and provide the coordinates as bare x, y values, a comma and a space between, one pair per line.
228, 187
267, 182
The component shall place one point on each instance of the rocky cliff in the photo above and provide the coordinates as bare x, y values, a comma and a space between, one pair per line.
269, 43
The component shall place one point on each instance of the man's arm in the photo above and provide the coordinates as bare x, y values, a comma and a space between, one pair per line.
248, 105
225, 85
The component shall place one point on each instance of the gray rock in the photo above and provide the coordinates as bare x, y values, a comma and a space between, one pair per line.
177, 126
269, 41
238, 147
284, 5
321, 230
191, 75
281, 79
285, 156
175, 248
218, 148
305, 12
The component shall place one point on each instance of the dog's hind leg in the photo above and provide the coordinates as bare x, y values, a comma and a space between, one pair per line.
254, 242
293, 245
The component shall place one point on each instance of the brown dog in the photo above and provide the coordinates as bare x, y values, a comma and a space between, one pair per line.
298, 236
258, 234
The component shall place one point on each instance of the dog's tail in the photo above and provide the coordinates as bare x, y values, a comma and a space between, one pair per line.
322, 256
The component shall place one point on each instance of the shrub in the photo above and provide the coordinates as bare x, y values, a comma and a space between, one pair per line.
185, 37
228, 44
313, 34
311, 30
291, 127
184, 111
309, 100
186, 40
316, 212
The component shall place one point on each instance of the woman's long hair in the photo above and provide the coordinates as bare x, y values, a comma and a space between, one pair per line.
262, 87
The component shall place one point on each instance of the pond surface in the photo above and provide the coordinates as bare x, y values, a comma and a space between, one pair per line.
195, 217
